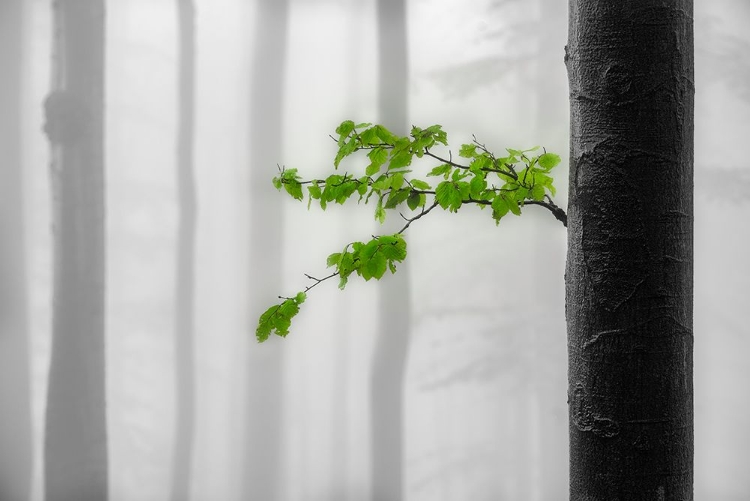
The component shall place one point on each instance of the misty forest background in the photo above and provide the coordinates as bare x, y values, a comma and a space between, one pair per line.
481, 359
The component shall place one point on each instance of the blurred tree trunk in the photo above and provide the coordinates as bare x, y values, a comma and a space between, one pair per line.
15, 388
184, 277
629, 278
340, 459
263, 443
75, 467
394, 310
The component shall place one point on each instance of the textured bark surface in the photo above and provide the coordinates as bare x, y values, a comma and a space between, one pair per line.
15, 391
630, 250
265, 363
185, 276
394, 315
75, 466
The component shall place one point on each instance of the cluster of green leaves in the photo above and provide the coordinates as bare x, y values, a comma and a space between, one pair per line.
278, 318
368, 260
505, 184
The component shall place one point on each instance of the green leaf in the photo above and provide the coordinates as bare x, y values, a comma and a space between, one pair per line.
477, 185
346, 266
468, 151
382, 183
294, 188
393, 247
520, 194
343, 279
438, 134
365, 254
420, 185
499, 208
479, 163
384, 134
369, 137
332, 189
376, 266
459, 174
550, 187
314, 190
343, 130
345, 150
378, 157
448, 195
333, 259
513, 205
413, 200
346, 190
396, 197
397, 181
379, 212
400, 159
443, 194
440, 170
537, 192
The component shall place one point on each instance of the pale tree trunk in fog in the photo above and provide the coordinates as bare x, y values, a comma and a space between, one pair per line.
75, 466
629, 275
394, 312
262, 455
340, 472
548, 371
184, 276
15, 391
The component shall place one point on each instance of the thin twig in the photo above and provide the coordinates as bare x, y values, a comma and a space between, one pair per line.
411, 220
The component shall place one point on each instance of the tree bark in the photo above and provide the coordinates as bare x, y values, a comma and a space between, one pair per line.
394, 312
15, 386
75, 465
185, 279
629, 278
265, 363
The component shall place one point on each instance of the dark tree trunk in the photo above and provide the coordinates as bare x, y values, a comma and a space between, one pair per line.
630, 250
264, 381
15, 388
75, 465
394, 317
185, 280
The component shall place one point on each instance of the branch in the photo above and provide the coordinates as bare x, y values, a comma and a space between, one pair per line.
317, 281
445, 161
556, 211
510, 172
550, 205
374, 258
412, 219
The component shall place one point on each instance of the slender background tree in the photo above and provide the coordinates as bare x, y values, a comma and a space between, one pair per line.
75, 466
184, 275
260, 478
394, 312
630, 250
15, 386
